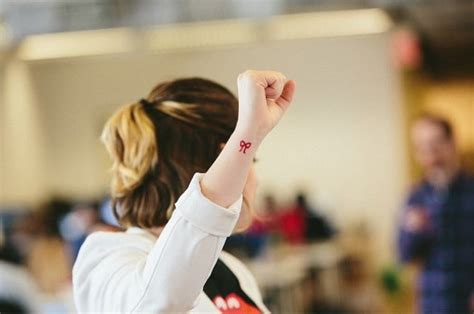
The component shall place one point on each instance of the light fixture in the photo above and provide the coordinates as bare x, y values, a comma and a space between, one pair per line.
328, 24
77, 44
205, 34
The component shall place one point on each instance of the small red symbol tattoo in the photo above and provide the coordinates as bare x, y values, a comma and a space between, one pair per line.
244, 146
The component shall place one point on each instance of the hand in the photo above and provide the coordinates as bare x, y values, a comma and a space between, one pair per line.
264, 96
416, 219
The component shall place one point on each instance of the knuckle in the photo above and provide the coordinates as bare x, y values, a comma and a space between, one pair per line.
251, 74
246, 75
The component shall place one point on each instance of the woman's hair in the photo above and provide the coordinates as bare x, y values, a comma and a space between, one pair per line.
158, 143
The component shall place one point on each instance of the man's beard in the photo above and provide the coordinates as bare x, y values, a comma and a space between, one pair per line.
441, 177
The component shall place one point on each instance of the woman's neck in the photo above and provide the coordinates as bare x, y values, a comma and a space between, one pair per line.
155, 231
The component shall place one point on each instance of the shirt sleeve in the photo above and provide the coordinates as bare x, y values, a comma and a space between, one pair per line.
170, 277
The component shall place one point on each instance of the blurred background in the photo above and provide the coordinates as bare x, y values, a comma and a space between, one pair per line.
333, 175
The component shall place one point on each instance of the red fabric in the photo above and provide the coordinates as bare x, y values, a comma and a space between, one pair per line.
293, 225
233, 304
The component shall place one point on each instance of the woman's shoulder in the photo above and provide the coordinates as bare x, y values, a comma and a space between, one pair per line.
104, 252
131, 235
104, 243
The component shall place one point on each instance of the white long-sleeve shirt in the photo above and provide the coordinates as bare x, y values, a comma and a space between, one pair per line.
134, 271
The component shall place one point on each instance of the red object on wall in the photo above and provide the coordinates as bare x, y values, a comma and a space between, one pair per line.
406, 49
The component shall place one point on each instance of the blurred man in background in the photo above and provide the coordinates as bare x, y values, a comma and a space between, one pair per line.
437, 229
18, 294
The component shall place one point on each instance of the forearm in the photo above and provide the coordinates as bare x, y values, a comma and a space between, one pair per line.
225, 180
264, 96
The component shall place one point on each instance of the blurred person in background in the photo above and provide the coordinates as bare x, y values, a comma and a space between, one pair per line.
256, 238
76, 226
20, 228
292, 223
84, 219
268, 216
253, 242
300, 223
107, 213
437, 227
18, 293
48, 258
180, 192
318, 227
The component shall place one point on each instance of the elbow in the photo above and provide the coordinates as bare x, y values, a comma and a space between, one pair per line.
165, 304
164, 307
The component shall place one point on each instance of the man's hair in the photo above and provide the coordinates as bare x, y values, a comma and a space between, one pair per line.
439, 121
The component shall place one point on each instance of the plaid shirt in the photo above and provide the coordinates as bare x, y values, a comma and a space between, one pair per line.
446, 248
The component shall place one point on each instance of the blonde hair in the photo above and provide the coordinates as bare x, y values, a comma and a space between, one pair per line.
129, 138
157, 144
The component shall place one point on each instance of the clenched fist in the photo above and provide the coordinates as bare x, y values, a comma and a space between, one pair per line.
264, 97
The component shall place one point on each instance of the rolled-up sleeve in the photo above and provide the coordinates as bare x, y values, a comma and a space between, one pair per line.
172, 275
205, 214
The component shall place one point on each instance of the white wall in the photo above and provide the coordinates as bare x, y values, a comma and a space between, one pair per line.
2, 134
22, 138
342, 140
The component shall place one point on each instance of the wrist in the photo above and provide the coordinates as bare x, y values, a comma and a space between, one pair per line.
249, 133
247, 140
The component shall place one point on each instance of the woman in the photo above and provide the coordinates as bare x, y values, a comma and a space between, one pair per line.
191, 139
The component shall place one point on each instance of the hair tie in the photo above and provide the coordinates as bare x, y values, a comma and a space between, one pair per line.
145, 103
150, 109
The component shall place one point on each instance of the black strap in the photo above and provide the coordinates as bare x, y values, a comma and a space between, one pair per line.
223, 282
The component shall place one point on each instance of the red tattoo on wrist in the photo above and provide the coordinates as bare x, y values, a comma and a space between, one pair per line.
244, 146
